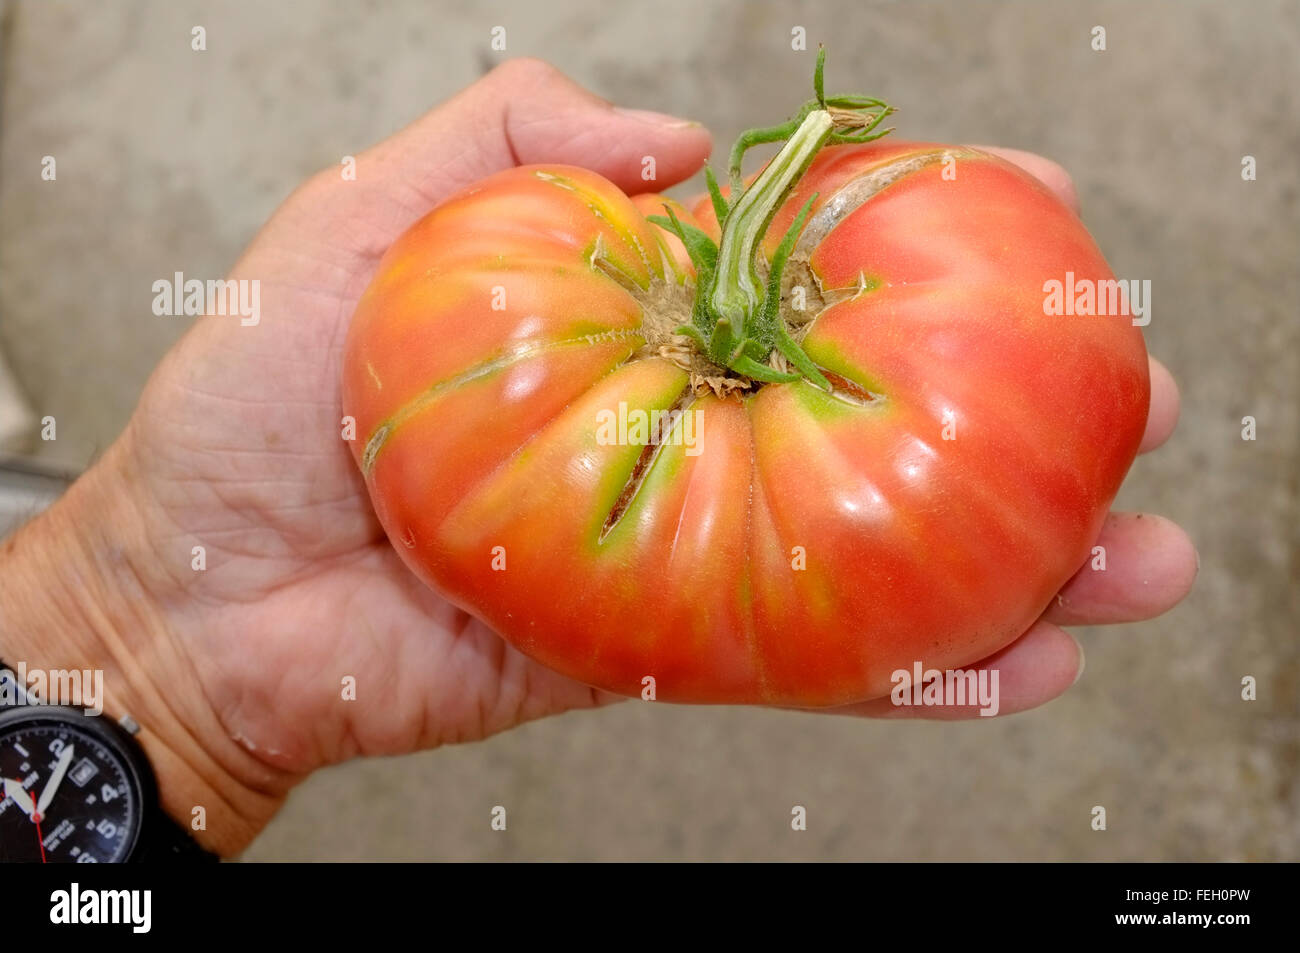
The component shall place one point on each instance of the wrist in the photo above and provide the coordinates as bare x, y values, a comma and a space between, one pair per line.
79, 590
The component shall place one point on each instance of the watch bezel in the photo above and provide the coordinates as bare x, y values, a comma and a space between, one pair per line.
135, 766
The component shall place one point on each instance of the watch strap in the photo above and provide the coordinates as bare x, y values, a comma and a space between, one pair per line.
163, 841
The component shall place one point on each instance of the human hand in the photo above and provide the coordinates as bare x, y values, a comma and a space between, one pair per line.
237, 670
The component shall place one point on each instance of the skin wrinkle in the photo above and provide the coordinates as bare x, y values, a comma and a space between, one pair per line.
507, 122
278, 451
252, 706
257, 508
178, 533
289, 360
469, 158
129, 659
370, 636
330, 265
252, 402
513, 690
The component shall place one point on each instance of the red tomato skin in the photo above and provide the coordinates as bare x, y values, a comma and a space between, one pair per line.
813, 546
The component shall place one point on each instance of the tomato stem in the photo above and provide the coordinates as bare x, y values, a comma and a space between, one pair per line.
736, 322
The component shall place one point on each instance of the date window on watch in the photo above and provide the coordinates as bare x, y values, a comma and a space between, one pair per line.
82, 772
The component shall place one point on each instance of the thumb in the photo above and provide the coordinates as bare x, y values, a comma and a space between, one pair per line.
524, 111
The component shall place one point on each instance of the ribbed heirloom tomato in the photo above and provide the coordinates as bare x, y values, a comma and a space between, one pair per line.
771, 460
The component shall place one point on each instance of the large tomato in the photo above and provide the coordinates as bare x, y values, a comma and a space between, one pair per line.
789, 541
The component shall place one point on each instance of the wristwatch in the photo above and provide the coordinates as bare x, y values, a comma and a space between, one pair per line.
78, 788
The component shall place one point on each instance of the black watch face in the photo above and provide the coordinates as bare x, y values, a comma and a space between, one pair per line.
69, 793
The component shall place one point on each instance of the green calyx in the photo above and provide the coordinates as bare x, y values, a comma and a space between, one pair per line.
736, 319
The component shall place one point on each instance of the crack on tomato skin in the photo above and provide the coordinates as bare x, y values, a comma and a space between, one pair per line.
851, 391
598, 261
379, 438
665, 307
599, 213
645, 255
666, 304
373, 445
666, 300
799, 274
645, 461
558, 181
860, 189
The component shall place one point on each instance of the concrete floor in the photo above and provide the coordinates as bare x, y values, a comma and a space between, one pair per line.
170, 160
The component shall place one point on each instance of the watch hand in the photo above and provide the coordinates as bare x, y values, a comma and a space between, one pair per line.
40, 838
52, 785
20, 796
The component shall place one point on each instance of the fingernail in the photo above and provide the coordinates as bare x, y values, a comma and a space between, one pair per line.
1083, 662
656, 119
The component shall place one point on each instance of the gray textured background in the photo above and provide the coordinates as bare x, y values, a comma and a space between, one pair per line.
168, 161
